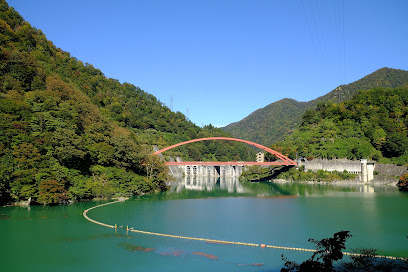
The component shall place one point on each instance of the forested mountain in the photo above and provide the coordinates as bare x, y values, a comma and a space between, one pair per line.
372, 125
273, 122
67, 132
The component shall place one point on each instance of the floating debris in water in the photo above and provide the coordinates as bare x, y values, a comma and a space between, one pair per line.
205, 255
133, 248
100, 236
172, 253
253, 264
123, 236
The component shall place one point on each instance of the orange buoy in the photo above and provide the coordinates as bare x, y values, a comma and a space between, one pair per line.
262, 245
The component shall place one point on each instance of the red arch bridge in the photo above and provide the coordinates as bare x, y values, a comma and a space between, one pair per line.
227, 168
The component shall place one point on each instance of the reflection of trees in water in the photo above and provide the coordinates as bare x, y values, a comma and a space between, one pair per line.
299, 188
204, 187
266, 189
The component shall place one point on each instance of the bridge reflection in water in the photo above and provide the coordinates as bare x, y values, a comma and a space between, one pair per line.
208, 183
198, 186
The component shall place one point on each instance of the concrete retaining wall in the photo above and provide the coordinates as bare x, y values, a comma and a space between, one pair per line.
390, 169
332, 165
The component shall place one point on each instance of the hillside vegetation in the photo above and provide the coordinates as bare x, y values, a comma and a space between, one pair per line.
372, 125
273, 122
67, 132
269, 124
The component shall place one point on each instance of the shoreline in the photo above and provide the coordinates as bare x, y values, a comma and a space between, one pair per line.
27, 204
378, 182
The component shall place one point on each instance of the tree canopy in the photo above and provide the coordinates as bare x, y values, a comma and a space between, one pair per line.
67, 132
372, 125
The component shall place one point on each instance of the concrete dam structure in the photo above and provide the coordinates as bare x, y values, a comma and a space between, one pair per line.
362, 167
213, 170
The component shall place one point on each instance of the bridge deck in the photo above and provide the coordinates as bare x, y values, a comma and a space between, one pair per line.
227, 163
283, 159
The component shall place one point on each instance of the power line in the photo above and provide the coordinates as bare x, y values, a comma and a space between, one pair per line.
340, 39
318, 17
314, 22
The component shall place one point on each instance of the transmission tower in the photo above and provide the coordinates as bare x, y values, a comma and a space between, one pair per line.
171, 102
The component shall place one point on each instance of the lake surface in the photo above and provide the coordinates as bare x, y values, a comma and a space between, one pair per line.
60, 239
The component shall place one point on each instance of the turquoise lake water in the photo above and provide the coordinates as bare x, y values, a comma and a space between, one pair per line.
61, 239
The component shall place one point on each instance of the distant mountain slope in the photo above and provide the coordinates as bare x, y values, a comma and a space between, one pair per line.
273, 122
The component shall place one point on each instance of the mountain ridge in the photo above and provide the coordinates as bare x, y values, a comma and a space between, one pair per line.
273, 122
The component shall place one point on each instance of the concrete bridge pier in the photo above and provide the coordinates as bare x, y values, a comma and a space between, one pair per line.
200, 170
227, 171
213, 170
230, 171
210, 171
223, 170
238, 170
191, 170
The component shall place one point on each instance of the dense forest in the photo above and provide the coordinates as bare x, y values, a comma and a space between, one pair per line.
69, 133
279, 119
372, 125
271, 123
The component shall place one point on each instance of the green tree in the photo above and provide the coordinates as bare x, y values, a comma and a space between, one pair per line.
395, 145
52, 192
328, 250
403, 183
155, 167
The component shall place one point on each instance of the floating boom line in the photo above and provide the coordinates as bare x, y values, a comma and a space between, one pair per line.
85, 214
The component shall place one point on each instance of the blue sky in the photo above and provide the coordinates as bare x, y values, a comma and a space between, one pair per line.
217, 61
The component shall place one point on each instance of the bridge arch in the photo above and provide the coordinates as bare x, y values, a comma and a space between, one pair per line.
273, 152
